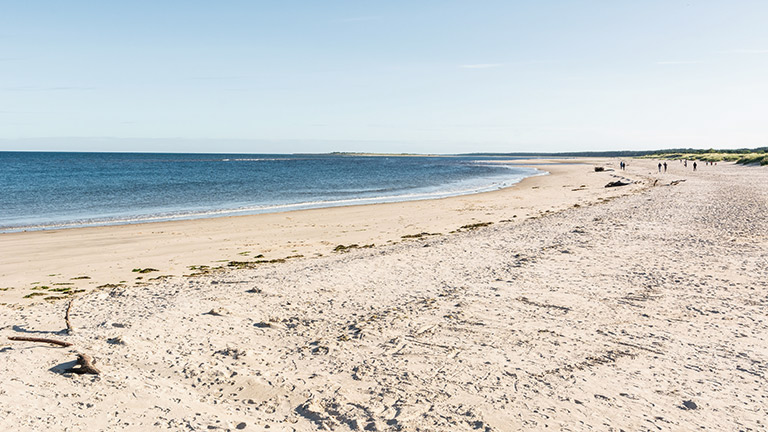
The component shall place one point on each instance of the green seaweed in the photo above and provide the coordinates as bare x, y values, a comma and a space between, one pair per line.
342, 248
252, 264
419, 235
203, 270
476, 225
61, 290
80, 277
109, 285
144, 270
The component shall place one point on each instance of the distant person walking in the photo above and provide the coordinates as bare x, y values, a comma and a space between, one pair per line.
694, 166
665, 167
659, 166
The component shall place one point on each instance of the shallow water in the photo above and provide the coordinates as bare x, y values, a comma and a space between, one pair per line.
43, 190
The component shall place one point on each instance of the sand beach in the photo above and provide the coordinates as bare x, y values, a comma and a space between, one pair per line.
556, 304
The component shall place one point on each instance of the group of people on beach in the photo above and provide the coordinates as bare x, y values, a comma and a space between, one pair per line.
663, 165
685, 164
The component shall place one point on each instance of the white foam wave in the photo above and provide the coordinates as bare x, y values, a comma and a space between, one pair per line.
434, 194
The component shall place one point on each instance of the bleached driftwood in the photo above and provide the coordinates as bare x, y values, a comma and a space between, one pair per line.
43, 340
84, 365
70, 329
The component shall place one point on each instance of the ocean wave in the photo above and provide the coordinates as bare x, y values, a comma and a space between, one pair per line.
260, 159
442, 192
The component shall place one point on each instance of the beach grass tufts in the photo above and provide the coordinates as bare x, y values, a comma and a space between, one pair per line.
754, 158
740, 156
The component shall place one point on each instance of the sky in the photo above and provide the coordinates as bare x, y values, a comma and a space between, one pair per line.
420, 76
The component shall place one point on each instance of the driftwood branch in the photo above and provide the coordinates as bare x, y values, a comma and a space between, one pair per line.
43, 340
84, 365
70, 329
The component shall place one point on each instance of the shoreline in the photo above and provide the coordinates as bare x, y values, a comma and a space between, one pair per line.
640, 311
271, 208
89, 257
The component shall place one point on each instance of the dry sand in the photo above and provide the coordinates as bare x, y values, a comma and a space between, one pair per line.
90, 257
642, 312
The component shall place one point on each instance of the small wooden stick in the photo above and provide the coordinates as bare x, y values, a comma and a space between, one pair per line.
70, 329
85, 363
43, 340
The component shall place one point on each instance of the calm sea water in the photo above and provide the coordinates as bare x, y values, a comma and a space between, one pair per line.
42, 190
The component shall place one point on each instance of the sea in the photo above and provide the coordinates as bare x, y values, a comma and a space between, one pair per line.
54, 190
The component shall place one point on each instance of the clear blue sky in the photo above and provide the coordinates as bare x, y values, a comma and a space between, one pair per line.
420, 76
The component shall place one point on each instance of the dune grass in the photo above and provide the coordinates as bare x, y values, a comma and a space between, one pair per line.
754, 158
744, 157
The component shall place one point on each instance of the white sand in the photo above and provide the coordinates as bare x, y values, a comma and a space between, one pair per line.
107, 255
607, 316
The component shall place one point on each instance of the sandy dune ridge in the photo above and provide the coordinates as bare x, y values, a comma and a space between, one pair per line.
642, 312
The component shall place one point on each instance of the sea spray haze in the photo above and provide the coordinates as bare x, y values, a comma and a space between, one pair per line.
40, 190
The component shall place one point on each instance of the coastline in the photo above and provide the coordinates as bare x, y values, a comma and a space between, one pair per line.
256, 209
635, 312
107, 254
